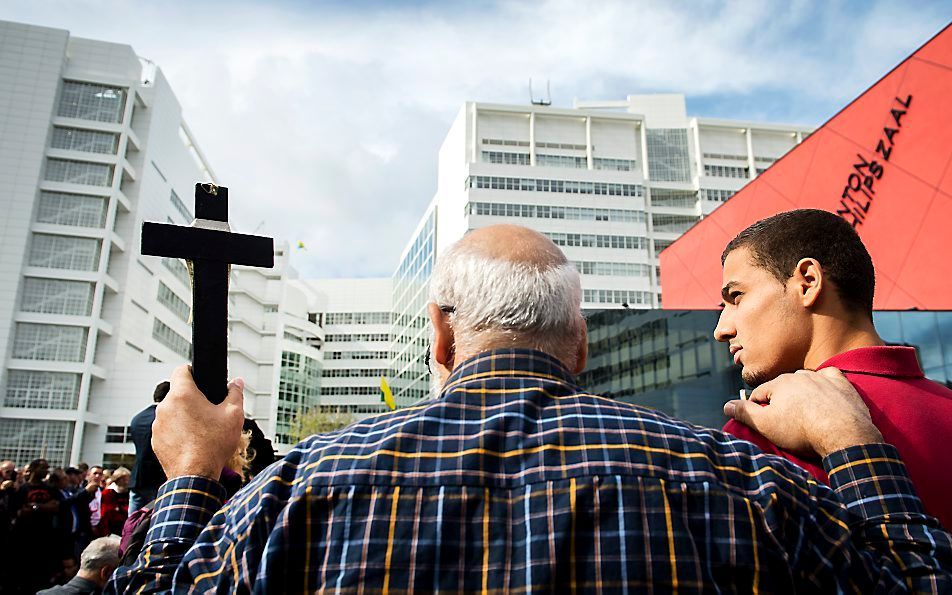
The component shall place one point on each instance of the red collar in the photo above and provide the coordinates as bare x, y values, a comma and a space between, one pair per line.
898, 362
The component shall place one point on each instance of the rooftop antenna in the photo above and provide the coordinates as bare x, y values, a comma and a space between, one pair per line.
540, 101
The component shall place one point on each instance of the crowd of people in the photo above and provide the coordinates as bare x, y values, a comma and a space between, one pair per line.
49, 517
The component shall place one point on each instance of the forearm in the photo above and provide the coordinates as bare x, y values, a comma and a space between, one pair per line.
892, 543
182, 510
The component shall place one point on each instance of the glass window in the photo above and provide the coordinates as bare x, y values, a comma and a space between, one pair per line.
50, 342
944, 322
57, 296
28, 439
888, 326
42, 390
668, 155
920, 329
64, 252
78, 172
170, 300
60, 208
89, 141
164, 334
89, 101
180, 207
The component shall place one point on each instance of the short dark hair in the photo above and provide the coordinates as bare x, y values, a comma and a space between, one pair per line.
161, 389
779, 242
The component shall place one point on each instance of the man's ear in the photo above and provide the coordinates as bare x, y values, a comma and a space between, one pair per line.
808, 281
443, 349
582, 358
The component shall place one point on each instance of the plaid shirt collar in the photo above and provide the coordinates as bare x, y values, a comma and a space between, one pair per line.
509, 363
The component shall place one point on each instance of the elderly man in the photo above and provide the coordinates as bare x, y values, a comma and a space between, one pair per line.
96, 565
516, 479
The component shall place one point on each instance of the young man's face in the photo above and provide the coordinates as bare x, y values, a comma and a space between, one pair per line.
763, 321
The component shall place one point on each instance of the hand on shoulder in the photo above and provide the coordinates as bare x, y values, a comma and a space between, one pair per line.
807, 413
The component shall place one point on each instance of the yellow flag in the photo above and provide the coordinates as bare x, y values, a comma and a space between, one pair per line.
301, 246
387, 394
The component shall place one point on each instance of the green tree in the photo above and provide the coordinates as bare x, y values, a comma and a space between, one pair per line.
315, 421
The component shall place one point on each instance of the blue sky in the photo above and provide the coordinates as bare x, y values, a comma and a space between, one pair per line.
343, 105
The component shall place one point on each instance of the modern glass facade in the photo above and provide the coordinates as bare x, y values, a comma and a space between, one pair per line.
668, 359
410, 330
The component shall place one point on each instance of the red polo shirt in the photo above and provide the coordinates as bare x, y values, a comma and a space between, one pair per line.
913, 414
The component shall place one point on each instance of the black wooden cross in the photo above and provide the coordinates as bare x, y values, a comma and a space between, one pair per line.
211, 247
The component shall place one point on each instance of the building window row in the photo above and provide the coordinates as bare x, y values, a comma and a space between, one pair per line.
726, 171
57, 296
613, 269
598, 241
64, 252
354, 373
91, 101
42, 390
672, 223
358, 318
506, 158
180, 206
85, 173
557, 186
609, 164
349, 390
50, 342
77, 210
546, 160
164, 334
661, 197
179, 270
173, 302
505, 142
765, 159
572, 161
87, 141
358, 354
660, 245
715, 195
345, 337
496, 209
616, 296
28, 439
725, 156
563, 146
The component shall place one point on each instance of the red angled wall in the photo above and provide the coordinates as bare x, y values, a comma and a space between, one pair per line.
884, 163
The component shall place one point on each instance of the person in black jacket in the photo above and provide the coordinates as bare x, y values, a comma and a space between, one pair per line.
147, 474
98, 561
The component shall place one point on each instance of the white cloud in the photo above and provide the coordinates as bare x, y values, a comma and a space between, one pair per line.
326, 120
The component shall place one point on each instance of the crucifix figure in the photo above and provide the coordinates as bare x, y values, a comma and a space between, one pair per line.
210, 246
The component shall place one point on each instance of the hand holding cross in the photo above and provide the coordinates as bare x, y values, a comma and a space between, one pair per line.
211, 247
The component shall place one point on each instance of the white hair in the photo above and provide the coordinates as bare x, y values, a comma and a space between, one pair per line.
497, 301
100, 553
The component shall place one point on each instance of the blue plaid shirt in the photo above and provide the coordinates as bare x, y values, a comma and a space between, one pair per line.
517, 480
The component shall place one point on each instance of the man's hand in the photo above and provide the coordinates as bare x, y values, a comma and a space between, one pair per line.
190, 435
92, 485
807, 413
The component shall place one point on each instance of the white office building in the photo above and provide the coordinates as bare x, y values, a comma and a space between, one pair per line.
356, 321
93, 143
611, 182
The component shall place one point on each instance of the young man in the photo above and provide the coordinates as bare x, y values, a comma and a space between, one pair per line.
798, 294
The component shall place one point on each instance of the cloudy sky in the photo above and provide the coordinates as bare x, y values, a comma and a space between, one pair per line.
325, 118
